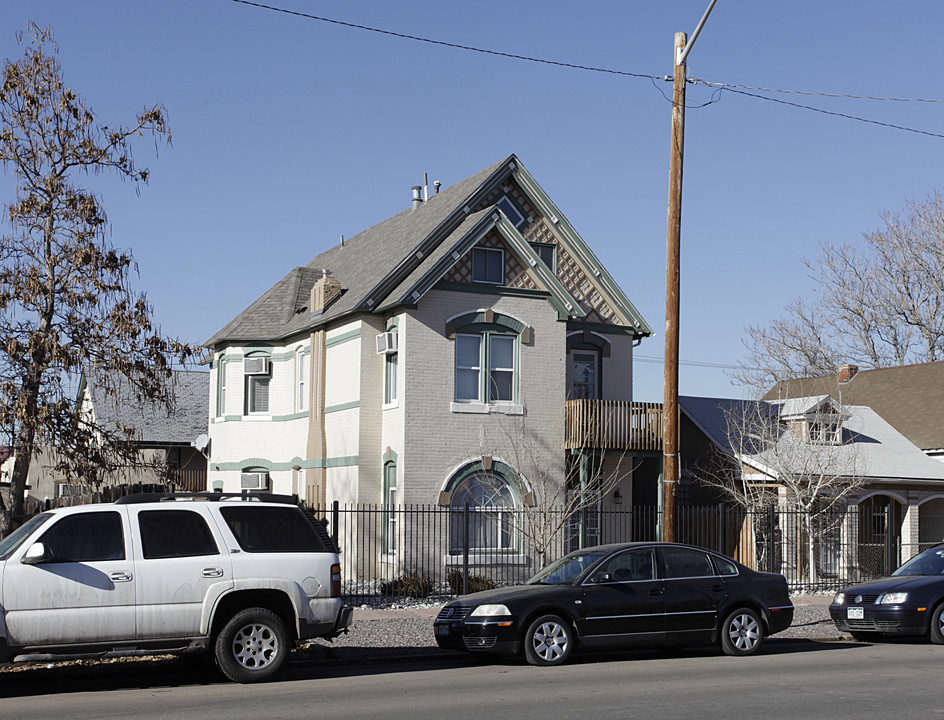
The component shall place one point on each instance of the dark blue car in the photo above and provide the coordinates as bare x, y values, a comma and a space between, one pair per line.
908, 602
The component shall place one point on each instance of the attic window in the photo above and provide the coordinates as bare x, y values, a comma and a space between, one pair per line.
488, 265
545, 251
511, 209
824, 430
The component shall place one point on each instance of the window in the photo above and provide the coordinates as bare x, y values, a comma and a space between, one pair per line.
684, 563
585, 376
488, 265
825, 431
88, 537
491, 506
272, 529
390, 378
511, 209
221, 396
631, 565
390, 504
545, 251
302, 365
258, 374
491, 350
175, 533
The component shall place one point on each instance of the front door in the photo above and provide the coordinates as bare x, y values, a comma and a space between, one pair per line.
623, 601
83, 592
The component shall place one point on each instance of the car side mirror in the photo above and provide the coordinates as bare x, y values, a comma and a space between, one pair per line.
35, 554
601, 577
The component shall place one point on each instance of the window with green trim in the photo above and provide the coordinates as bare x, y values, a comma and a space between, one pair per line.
389, 531
486, 367
390, 378
491, 508
488, 265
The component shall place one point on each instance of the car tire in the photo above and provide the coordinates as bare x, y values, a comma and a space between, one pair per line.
253, 646
936, 632
549, 640
742, 633
865, 636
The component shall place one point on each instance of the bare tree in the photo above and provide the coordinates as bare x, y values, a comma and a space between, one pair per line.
801, 455
65, 298
559, 496
880, 304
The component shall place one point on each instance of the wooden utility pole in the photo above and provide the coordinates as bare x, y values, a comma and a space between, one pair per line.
673, 243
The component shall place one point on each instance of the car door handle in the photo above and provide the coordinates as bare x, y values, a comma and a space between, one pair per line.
717, 588
655, 592
120, 576
212, 572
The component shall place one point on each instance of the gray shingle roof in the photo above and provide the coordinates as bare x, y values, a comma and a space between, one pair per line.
880, 451
910, 397
361, 264
155, 425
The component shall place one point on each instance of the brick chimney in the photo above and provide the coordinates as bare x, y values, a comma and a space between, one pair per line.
323, 292
846, 373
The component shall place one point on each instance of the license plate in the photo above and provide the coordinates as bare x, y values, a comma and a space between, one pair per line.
442, 630
855, 613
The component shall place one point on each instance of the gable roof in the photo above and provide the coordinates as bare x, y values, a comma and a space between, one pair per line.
910, 397
155, 425
397, 261
879, 449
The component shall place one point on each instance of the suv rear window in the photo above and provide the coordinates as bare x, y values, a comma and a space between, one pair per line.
272, 529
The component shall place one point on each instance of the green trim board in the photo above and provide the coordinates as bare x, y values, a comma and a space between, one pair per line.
342, 406
349, 461
343, 338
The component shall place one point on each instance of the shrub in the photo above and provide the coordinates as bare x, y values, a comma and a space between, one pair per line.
412, 584
476, 582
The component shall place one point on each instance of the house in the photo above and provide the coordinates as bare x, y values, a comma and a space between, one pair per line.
896, 488
168, 440
910, 397
435, 358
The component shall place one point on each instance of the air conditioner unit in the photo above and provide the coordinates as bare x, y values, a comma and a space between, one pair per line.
254, 481
387, 343
256, 366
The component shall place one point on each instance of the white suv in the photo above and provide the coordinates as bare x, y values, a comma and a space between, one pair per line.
243, 577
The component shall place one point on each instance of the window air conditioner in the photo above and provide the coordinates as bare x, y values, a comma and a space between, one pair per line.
256, 366
254, 481
387, 343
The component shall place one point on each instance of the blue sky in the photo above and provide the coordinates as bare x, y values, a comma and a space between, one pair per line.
290, 132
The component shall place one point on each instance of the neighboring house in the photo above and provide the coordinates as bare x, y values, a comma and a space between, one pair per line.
169, 441
428, 360
910, 398
43, 481
821, 435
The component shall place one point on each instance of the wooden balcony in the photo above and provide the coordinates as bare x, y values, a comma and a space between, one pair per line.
613, 425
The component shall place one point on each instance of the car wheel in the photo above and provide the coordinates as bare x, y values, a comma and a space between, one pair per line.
866, 636
548, 641
937, 625
252, 646
742, 633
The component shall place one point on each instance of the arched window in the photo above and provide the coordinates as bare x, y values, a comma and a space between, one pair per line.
302, 371
491, 504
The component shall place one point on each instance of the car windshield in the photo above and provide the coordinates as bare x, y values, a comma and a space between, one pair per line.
566, 570
930, 562
11, 542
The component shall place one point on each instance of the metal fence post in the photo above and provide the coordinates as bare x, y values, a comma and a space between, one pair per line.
889, 516
771, 538
335, 515
465, 550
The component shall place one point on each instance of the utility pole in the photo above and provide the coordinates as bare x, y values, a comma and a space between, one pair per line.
673, 244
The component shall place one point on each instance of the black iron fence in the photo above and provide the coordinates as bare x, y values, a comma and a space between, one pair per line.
433, 552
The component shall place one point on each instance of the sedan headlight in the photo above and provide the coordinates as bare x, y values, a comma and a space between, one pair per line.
893, 598
839, 598
490, 610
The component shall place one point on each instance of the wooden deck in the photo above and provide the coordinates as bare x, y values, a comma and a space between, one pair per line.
613, 425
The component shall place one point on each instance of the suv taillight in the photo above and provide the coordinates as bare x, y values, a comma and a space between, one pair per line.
336, 580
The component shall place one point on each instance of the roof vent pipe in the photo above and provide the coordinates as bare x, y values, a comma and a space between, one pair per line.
436, 185
417, 197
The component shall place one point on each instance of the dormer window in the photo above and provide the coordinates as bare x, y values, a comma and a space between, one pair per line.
511, 209
824, 430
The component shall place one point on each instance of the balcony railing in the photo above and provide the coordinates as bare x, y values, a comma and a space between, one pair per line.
613, 425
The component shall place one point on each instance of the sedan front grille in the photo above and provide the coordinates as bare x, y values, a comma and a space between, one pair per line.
866, 599
479, 643
873, 625
453, 612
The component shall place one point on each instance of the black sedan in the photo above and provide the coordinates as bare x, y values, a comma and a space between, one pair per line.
615, 596
908, 602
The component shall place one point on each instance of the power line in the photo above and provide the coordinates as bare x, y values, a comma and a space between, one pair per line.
720, 87
692, 363
449, 44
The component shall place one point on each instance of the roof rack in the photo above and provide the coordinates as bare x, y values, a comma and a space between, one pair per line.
138, 498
